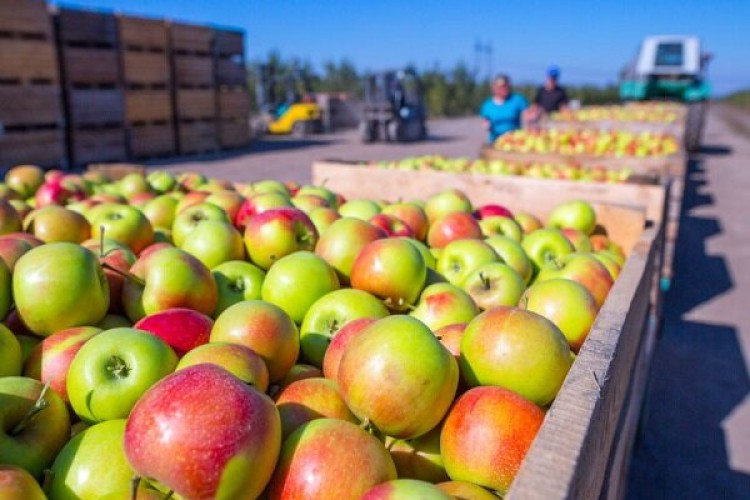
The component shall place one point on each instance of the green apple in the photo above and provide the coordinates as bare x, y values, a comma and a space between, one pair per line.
278, 232
323, 217
76, 292
494, 284
419, 458
113, 369
342, 241
25, 179
190, 218
161, 181
359, 209
512, 253
575, 214
236, 281
444, 304
53, 224
429, 259
498, 225
214, 242
10, 220
406, 488
124, 224
269, 186
445, 202
240, 361
10, 353
582, 268
546, 245
320, 191
133, 184
161, 211
458, 258
6, 289
297, 281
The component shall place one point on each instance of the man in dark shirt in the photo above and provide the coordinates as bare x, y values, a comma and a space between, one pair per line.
551, 97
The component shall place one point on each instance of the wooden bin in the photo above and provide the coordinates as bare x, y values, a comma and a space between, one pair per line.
25, 19
197, 137
42, 147
96, 145
195, 104
148, 106
151, 140
582, 449
86, 28
191, 39
233, 103
234, 133
229, 51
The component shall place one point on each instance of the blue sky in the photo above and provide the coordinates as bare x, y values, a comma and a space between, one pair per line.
590, 40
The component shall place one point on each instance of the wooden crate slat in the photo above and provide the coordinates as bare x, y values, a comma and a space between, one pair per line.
234, 133
25, 17
145, 68
138, 32
230, 72
191, 38
91, 66
87, 27
39, 147
193, 70
195, 104
234, 104
197, 137
31, 104
97, 145
89, 107
148, 105
151, 141
28, 62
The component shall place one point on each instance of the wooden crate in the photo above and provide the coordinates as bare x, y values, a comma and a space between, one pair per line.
25, 19
141, 34
233, 103
28, 62
145, 106
86, 28
229, 43
45, 148
231, 71
582, 447
116, 171
22, 105
193, 71
151, 141
234, 133
195, 104
95, 107
191, 39
96, 145
197, 137
145, 69
90, 66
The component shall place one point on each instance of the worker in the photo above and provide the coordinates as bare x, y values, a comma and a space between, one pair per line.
503, 111
551, 97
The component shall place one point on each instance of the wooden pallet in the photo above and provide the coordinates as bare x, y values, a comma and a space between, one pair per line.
195, 104
148, 106
233, 103
45, 148
234, 133
151, 141
581, 449
97, 145
84, 28
197, 137
25, 19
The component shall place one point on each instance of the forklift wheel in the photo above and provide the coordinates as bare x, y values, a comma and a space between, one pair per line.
367, 132
299, 129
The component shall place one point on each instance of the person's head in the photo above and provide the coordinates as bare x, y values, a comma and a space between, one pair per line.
501, 86
553, 73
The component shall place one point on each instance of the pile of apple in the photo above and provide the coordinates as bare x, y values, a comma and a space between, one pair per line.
651, 113
217, 340
593, 142
539, 170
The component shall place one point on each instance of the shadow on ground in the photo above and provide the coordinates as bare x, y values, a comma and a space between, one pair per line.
697, 377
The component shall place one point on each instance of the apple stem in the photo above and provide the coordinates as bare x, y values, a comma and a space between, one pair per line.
124, 274
134, 483
485, 281
49, 475
39, 405
169, 495
118, 367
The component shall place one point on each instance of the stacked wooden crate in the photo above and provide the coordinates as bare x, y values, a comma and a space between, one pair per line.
92, 85
30, 104
144, 54
194, 88
232, 95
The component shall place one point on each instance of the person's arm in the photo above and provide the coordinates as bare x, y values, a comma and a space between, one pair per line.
484, 113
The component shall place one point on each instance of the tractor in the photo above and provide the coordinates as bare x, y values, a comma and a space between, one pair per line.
286, 102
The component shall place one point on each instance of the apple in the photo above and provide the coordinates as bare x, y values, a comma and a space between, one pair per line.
511, 252
161, 211
152, 248
412, 215
276, 233
406, 488
458, 258
392, 225
359, 209
259, 203
139, 200
166, 279
419, 458
22, 208
264, 328
492, 210
330, 458
338, 345
516, 349
394, 360
297, 281
528, 222
319, 191
35, 425
484, 424
429, 259
191, 199
51, 193
498, 225
451, 227
10, 220
465, 490
190, 218
270, 186
11, 357
446, 202
604, 257
494, 284
133, 184
309, 399
31, 240
443, 304
50, 359
17, 483
578, 239
392, 269
6, 289
576, 214
309, 202
75, 289
114, 321
323, 217
299, 371
161, 181
237, 280
24, 179
584, 269
240, 361
214, 242
53, 224
111, 371
566, 303
191, 181
546, 245
343, 240
228, 200
182, 329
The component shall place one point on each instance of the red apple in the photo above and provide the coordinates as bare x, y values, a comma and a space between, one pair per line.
343, 240
228, 200
278, 232
443, 304
182, 329
240, 361
412, 215
11, 249
17, 483
259, 203
309, 399
465, 490
451, 227
392, 225
582, 268
300, 371
406, 489
338, 344
492, 210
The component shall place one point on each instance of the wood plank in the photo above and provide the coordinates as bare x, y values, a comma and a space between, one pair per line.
89, 146
39, 147
195, 104
28, 61
234, 104
231, 72
30, 104
234, 133
150, 141
229, 43
91, 107
193, 70
87, 27
91, 66
25, 16
197, 137
145, 68
142, 32
191, 38
148, 105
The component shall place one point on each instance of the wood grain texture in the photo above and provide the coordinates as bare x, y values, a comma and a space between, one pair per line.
43, 147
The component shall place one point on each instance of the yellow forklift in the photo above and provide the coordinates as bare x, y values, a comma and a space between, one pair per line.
286, 102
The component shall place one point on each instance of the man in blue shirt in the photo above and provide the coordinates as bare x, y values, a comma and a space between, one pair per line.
503, 111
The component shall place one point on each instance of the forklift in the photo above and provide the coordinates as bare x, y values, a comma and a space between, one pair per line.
286, 103
671, 67
393, 108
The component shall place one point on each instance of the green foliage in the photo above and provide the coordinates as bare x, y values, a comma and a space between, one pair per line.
740, 98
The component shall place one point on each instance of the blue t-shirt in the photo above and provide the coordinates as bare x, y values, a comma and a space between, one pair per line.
503, 117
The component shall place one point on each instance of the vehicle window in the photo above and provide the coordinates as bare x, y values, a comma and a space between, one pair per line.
669, 54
